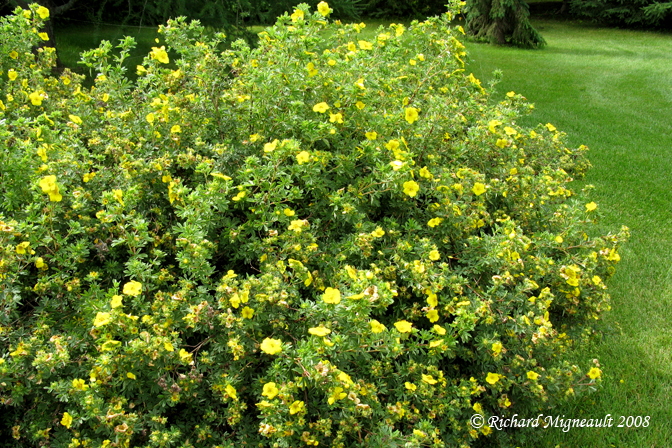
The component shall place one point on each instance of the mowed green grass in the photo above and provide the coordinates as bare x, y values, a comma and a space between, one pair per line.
612, 91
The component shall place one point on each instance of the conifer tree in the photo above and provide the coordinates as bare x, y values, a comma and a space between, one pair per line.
502, 22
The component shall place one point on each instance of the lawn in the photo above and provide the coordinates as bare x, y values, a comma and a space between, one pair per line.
612, 91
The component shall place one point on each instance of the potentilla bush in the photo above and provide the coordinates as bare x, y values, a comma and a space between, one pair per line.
326, 240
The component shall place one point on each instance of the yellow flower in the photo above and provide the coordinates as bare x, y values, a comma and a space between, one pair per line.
36, 98
140, 70
270, 390
360, 83
492, 378
176, 129
247, 312
511, 94
116, 301
118, 196
496, 348
303, 157
410, 386
378, 233
297, 15
429, 379
172, 195
312, 71
364, 45
296, 225
235, 301
392, 145
336, 118
435, 344
501, 143
102, 319
79, 384
48, 185
411, 188
360, 105
20, 351
558, 239
271, 346
439, 329
296, 407
434, 255
478, 189
150, 118
42, 12
332, 296
168, 346
411, 114
434, 222
594, 373
424, 172
403, 326
130, 375
550, 127
433, 315
376, 327
270, 147
43, 36
110, 345
510, 131
331, 62
11, 74
66, 420
323, 8
477, 407
532, 375
492, 125
321, 107
231, 391
160, 54
591, 206
319, 331
40, 264
133, 288
338, 394
75, 119
371, 135
412, 61
396, 165
21, 247
185, 356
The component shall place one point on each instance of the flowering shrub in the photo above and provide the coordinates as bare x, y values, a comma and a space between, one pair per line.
325, 240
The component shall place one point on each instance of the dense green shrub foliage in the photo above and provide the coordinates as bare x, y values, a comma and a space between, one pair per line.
404, 9
502, 22
640, 13
322, 240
